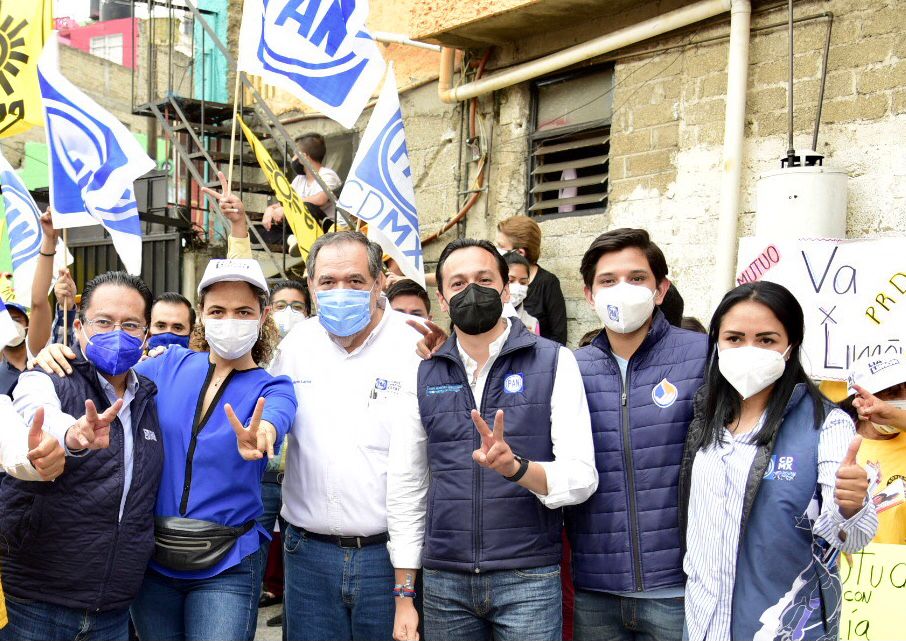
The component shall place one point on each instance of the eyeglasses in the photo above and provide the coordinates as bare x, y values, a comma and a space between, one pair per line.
296, 306
103, 325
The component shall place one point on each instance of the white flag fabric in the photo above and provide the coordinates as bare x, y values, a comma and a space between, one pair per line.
7, 326
94, 161
379, 187
318, 50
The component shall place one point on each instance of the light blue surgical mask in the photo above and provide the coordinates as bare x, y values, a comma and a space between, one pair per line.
344, 312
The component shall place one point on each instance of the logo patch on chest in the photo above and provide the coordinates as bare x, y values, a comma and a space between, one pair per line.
513, 383
781, 468
149, 435
664, 394
443, 389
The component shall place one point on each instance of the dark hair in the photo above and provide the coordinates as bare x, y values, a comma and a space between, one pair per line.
693, 325
673, 306
120, 279
515, 258
616, 240
299, 286
408, 287
463, 243
589, 337
177, 299
312, 143
374, 251
722, 401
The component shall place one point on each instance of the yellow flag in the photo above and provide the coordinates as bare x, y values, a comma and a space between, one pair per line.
24, 27
304, 226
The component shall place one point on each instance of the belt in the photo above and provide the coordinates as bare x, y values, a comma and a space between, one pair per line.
273, 476
347, 541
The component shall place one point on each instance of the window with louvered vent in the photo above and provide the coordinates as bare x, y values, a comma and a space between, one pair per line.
570, 144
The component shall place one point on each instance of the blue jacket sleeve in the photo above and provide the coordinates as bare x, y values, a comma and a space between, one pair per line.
151, 367
279, 405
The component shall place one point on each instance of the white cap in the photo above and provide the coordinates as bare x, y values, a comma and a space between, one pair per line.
233, 269
877, 373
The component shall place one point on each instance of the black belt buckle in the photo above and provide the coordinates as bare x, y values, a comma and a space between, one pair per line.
350, 541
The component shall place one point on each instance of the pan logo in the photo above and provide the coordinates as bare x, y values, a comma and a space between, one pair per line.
664, 394
24, 225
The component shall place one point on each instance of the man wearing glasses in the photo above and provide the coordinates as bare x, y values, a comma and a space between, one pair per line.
78, 548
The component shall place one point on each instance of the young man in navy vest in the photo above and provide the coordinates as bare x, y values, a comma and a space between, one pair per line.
640, 376
478, 471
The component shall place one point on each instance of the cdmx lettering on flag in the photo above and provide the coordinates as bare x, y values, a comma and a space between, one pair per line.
374, 194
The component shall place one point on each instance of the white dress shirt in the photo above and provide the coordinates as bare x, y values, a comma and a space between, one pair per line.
14, 443
336, 460
35, 389
719, 476
571, 476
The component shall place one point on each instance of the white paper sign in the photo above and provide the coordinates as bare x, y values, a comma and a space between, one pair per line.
853, 294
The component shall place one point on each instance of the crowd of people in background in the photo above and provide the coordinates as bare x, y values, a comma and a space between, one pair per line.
663, 481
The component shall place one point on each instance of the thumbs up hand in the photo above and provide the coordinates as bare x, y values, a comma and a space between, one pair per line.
258, 438
44, 451
92, 431
851, 488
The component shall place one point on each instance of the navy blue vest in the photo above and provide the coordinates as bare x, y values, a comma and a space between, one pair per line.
66, 545
477, 520
625, 538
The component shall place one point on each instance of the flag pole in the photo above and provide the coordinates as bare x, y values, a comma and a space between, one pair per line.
65, 301
233, 131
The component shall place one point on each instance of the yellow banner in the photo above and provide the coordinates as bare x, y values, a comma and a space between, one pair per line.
874, 591
24, 27
304, 226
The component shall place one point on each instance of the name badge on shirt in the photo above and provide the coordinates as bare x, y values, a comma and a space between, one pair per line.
384, 389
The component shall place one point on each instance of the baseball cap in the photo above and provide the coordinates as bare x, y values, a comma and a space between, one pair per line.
11, 305
233, 269
877, 373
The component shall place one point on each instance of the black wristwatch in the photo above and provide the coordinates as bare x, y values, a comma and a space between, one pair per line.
523, 468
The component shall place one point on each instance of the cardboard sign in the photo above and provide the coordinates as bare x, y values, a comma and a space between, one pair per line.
852, 292
874, 591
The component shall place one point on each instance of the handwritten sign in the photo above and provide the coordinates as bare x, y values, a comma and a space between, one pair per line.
852, 292
874, 591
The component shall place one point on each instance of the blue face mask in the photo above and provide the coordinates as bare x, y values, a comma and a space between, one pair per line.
167, 338
344, 312
113, 352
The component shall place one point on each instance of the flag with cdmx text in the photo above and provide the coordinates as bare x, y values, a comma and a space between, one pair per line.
93, 163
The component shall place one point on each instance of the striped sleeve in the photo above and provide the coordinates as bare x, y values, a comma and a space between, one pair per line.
853, 534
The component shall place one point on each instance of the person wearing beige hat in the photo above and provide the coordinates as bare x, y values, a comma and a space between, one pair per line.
878, 406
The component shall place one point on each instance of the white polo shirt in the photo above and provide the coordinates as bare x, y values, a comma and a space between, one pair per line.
336, 462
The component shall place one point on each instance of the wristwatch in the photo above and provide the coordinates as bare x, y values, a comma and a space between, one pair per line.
523, 468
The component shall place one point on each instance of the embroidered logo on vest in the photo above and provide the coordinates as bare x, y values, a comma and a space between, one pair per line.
150, 436
443, 389
513, 383
781, 468
664, 394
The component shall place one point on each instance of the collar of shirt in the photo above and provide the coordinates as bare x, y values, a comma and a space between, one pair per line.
381, 304
494, 348
751, 435
131, 387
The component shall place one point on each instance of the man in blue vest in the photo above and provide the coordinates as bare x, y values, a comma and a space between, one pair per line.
640, 377
479, 507
79, 547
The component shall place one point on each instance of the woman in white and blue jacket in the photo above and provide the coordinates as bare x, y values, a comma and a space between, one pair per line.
210, 494
770, 492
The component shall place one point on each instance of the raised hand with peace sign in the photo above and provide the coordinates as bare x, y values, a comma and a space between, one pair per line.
92, 431
44, 451
230, 206
494, 453
258, 438
851, 488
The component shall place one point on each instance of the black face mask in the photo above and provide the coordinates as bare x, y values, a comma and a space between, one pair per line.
476, 309
297, 166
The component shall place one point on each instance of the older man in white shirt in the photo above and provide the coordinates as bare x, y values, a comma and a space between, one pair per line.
353, 368
479, 508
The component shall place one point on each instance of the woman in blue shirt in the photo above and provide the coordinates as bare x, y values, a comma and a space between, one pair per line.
205, 578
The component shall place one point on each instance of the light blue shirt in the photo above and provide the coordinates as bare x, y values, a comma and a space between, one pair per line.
125, 417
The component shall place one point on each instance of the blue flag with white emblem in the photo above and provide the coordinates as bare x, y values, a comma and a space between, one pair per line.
24, 228
318, 50
93, 163
379, 187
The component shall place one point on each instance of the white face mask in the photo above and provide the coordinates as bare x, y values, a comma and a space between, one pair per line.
750, 369
501, 250
624, 308
20, 335
892, 429
231, 338
286, 319
518, 292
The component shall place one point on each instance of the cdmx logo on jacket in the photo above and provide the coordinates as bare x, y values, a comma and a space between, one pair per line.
664, 394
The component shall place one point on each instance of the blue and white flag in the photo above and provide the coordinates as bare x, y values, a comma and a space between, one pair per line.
379, 187
94, 161
318, 50
7, 327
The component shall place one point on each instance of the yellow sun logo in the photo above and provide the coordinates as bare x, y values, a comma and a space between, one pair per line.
11, 60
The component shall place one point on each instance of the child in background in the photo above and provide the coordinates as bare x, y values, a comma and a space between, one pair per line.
878, 406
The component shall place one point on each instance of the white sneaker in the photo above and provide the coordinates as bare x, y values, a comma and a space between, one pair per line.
293, 246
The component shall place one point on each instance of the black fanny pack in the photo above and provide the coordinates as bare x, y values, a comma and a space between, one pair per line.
189, 544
